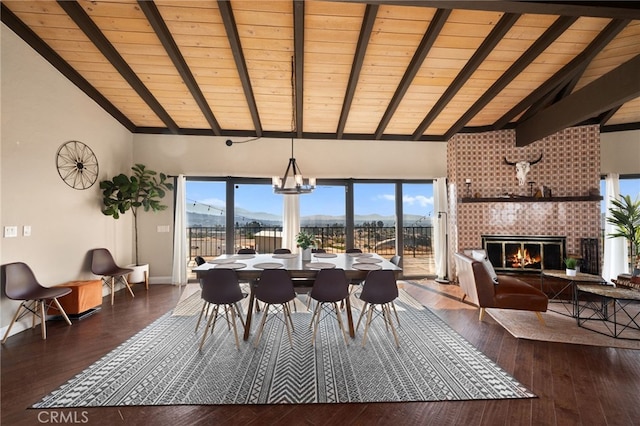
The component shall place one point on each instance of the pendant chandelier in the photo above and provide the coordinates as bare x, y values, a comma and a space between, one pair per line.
292, 182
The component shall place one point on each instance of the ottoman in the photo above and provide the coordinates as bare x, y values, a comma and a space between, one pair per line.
83, 300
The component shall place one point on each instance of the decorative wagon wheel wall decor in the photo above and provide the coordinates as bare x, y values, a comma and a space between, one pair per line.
77, 165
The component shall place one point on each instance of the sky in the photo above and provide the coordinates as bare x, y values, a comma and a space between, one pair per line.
369, 198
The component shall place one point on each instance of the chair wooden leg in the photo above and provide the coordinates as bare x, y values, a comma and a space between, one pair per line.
146, 280
34, 313
261, 327
481, 314
315, 320
15, 318
393, 329
202, 311
233, 322
214, 314
539, 315
43, 320
340, 323
113, 284
393, 305
126, 283
287, 313
64, 314
206, 331
464, 296
366, 326
239, 313
364, 308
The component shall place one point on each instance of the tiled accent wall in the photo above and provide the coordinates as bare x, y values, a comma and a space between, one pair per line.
570, 167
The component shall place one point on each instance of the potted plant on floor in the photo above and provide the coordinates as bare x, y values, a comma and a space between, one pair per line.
306, 242
625, 216
144, 188
571, 265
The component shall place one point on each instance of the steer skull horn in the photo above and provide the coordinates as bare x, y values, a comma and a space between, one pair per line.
513, 163
522, 168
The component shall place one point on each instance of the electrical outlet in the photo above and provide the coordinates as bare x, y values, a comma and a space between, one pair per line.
26, 231
10, 231
163, 228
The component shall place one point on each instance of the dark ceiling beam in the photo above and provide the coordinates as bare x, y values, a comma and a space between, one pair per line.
498, 32
430, 36
298, 48
231, 29
561, 91
361, 49
539, 46
608, 91
32, 39
84, 22
567, 72
606, 116
596, 9
162, 31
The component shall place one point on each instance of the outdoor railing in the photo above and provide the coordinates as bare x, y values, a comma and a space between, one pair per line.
211, 241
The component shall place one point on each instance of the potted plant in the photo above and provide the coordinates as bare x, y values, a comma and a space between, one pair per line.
571, 265
625, 216
144, 188
305, 241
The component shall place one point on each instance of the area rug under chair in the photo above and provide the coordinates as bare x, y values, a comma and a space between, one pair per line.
161, 365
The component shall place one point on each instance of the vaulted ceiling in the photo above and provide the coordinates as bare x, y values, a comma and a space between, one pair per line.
401, 70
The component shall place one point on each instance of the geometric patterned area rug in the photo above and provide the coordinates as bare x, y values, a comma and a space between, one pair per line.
161, 365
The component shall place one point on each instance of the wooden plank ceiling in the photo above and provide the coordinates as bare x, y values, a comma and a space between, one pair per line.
404, 70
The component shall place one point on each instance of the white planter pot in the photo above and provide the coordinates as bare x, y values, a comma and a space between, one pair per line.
306, 254
571, 272
140, 273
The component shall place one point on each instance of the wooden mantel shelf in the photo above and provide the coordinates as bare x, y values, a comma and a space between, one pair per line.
530, 199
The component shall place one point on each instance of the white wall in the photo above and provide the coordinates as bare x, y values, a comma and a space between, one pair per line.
41, 110
620, 152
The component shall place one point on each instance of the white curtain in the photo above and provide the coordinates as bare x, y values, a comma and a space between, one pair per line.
291, 221
615, 249
440, 223
179, 272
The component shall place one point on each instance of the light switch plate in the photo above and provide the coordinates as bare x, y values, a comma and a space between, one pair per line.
10, 231
26, 231
163, 228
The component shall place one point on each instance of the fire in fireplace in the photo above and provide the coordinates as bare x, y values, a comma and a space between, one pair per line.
524, 253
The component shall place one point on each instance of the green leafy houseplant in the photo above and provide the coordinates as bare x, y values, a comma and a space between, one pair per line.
625, 216
571, 263
145, 188
305, 240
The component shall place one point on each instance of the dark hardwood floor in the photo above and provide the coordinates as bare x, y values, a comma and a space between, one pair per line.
576, 385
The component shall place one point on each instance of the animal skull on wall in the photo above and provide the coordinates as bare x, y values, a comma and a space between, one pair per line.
522, 168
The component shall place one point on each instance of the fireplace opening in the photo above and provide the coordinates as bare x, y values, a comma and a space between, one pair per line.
525, 253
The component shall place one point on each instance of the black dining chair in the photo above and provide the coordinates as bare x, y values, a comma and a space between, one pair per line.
220, 287
246, 251
275, 289
330, 287
282, 251
379, 289
102, 263
199, 260
353, 250
318, 250
19, 283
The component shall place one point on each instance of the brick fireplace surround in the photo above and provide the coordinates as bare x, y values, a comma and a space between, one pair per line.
570, 167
